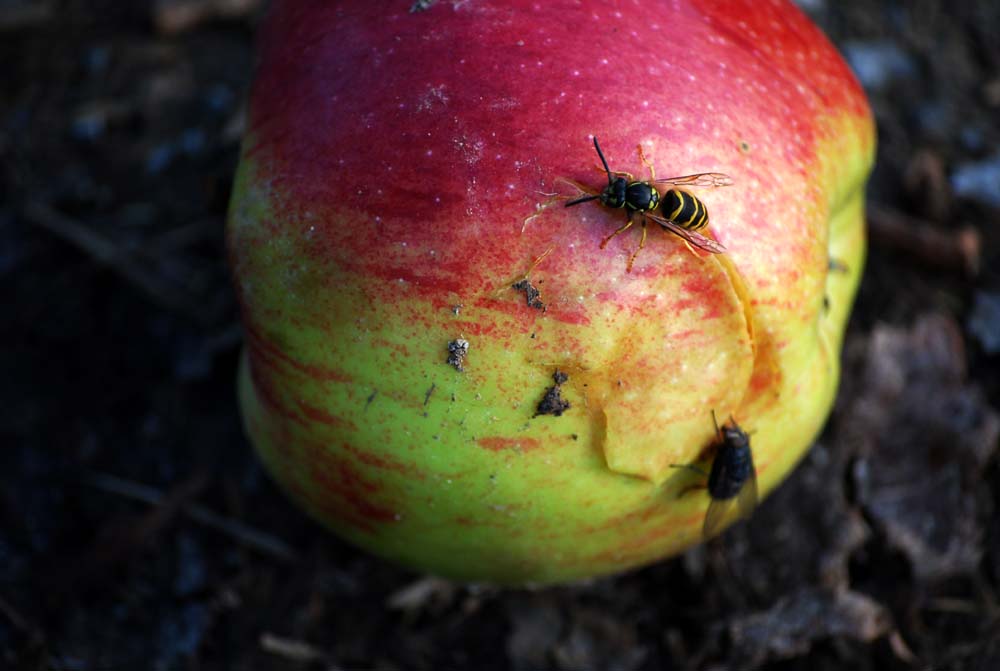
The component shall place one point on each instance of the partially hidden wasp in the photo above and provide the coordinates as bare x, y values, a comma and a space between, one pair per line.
685, 214
733, 478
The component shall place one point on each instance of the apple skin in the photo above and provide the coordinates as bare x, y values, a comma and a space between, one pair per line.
383, 208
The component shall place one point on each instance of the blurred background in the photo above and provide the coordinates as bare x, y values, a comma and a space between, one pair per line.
137, 530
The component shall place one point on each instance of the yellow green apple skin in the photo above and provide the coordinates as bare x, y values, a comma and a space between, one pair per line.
402, 170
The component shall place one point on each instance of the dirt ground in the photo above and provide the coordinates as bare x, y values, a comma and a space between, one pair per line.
138, 531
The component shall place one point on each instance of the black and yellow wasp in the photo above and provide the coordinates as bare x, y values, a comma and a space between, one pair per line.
683, 213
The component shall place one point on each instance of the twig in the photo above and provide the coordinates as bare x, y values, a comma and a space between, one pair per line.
951, 605
924, 241
901, 649
245, 534
294, 650
118, 542
183, 236
416, 594
177, 16
106, 252
20, 622
26, 16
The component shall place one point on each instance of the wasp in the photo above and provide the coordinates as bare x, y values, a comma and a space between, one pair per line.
732, 479
684, 213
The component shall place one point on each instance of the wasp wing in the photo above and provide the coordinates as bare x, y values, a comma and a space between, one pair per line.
693, 238
699, 179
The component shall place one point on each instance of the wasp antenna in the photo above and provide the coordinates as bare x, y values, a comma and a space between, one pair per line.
715, 421
581, 200
603, 160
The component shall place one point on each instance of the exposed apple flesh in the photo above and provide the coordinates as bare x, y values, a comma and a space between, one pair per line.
384, 208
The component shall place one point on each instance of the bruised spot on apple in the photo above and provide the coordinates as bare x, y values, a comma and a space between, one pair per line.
389, 166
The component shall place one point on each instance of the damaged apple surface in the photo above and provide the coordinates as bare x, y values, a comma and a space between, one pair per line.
399, 193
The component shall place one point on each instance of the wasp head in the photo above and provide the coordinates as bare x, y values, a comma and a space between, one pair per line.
614, 193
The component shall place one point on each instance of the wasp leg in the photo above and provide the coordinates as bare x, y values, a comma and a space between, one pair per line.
645, 162
580, 189
538, 259
553, 198
628, 225
642, 243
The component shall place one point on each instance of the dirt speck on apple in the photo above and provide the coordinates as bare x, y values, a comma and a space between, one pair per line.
457, 350
532, 296
552, 402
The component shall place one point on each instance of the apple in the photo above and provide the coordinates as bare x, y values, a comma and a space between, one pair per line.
442, 363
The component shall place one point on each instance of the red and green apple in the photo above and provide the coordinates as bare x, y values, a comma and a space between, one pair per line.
402, 170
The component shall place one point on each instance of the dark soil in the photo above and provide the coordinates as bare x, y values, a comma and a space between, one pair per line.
138, 531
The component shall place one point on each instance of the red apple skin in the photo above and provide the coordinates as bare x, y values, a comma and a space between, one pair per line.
383, 207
